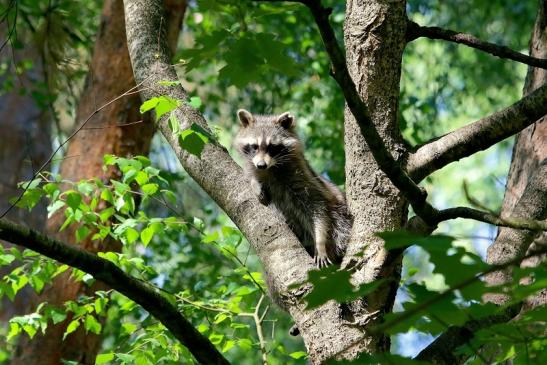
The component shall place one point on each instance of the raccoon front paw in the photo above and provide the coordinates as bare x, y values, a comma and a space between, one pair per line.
322, 261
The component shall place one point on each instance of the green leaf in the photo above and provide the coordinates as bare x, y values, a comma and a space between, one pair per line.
57, 315
202, 328
220, 318
58, 204
30, 198
37, 283
85, 187
193, 140
6, 259
169, 83
126, 358
82, 233
92, 325
298, 354
30, 330
150, 189
216, 338
104, 358
174, 124
228, 345
333, 284
403, 239
73, 199
14, 330
72, 326
148, 105
129, 328
141, 178
109, 159
146, 235
245, 343
195, 102
105, 214
161, 105
131, 235
106, 195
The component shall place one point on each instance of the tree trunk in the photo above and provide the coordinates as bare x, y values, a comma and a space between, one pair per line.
106, 133
27, 148
527, 173
374, 35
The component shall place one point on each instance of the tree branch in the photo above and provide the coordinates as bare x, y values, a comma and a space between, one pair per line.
477, 136
415, 31
478, 215
157, 303
441, 351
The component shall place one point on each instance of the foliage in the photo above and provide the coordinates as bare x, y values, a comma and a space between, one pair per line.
269, 58
227, 296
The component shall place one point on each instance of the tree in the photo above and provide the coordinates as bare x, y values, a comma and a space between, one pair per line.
382, 176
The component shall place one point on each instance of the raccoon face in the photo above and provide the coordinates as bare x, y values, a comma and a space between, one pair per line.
266, 140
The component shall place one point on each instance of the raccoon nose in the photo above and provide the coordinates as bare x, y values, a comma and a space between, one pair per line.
261, 165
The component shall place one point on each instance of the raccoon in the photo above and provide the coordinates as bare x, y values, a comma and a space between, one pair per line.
314, 208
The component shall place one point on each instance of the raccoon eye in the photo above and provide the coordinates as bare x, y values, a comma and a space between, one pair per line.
274, 149
250, 148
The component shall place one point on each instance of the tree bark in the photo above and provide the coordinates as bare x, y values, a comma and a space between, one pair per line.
374, 35
527, 170
106, 133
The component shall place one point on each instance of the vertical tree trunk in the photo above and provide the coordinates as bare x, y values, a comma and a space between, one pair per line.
25, 146
374, 36
106, 133
527, 164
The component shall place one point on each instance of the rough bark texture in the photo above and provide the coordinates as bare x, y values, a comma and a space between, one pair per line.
374, 35
528, 171
25, 145
110, 76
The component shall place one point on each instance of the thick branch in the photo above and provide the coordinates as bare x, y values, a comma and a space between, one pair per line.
151, 298
415, 31
477, 136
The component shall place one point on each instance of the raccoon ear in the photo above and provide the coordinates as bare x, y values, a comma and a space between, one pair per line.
245, 117
286, 120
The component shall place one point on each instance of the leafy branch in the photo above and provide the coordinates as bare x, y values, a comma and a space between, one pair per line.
155, 301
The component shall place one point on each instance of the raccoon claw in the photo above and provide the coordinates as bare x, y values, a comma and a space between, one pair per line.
322, 261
